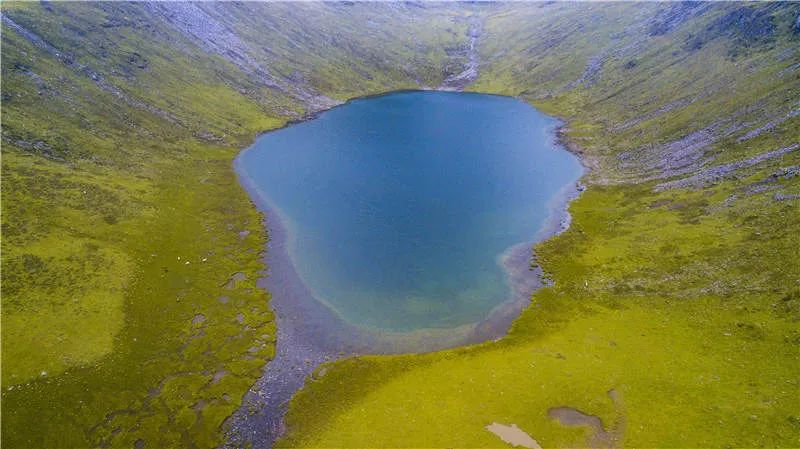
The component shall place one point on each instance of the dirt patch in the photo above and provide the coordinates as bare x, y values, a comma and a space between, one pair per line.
513, 435
234, 279
569, 416
218, 376
198, 319
601, 436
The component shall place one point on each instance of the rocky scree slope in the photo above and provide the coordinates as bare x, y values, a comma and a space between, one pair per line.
672, 319
130, 252
130, 313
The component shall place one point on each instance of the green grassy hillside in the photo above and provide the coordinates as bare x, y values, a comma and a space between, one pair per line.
130, 252
677, 285
130, 315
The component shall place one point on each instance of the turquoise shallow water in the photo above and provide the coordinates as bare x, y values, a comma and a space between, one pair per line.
399, 207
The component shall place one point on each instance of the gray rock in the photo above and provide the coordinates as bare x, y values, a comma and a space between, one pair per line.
724, 171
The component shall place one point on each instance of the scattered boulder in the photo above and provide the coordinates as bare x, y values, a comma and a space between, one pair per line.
234, 279
198, 319
670, 18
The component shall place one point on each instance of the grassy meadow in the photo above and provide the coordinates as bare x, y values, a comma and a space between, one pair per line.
130, 311
683, 302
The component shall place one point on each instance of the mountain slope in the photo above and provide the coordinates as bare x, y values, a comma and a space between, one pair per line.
130, 252
673, 318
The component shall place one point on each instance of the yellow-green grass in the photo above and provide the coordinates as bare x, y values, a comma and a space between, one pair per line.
148, 353
139, 345
122, 225
692, 369
685, 302
683, 377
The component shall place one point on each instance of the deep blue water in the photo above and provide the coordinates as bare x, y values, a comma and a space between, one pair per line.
398, 207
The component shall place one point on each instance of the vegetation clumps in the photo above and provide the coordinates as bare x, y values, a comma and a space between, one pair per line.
123, 222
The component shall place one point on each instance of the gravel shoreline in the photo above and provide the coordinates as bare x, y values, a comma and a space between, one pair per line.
310, 333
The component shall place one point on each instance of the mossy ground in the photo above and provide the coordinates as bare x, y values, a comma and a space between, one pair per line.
123, 225
682, 301
149, 327
694, 370
123, 222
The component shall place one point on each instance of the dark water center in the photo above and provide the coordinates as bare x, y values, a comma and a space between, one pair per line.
398, 209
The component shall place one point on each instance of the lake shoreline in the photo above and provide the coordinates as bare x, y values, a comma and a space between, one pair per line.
311, 333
